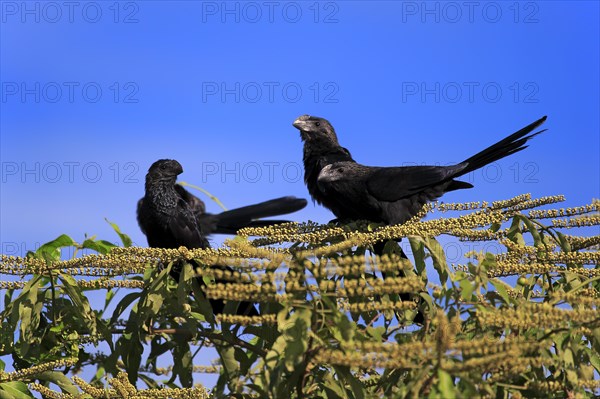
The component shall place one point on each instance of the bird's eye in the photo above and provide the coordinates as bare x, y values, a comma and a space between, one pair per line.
341, 170
163, 166
318, 123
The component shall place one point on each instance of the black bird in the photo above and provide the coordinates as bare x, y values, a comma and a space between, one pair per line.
164, 216
389, 195
171, 217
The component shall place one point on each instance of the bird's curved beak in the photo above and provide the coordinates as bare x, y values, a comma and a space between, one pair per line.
325, 175
175, 169
301, 123
179, 169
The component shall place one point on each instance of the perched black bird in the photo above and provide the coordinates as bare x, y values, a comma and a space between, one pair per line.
389, 195
171, 217
163, 214
384, 195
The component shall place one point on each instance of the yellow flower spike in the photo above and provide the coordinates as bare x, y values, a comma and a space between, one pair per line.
47, 392
33, 370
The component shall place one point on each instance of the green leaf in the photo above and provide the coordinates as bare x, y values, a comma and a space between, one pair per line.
567, 357
50, 251
514, 232
158, 348
418, 249
102, 247
349, 379
333, 391
445, 385
563, 242
203, 305
438, 256
376, 333
227, 355
296, 334
182, 363
183, 287
467, 288
110, 295
537, 238
129, 346
124, 304
343, 329
72, 289
58, 378
30, 310
124, 237
501, 289
14, 390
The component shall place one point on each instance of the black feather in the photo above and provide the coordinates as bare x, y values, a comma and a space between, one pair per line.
389, 195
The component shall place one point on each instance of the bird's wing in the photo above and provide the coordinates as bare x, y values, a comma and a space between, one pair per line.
392, 184
196, 204
138, 213
207, 222
185, 229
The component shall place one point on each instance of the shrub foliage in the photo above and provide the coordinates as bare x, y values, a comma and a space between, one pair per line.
521, 322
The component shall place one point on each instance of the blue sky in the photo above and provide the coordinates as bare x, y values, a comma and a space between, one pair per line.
93, 93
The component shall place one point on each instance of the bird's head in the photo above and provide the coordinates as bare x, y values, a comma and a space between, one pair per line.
164, 170
313, 128
332, 172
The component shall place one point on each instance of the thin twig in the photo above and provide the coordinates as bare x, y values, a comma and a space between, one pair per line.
212, 197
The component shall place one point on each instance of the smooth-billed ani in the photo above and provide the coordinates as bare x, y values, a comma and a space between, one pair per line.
390, 195
171, 217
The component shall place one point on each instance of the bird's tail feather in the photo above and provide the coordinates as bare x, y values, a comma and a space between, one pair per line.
511, 144
229, 222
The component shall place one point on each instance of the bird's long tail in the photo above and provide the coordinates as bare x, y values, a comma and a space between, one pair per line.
229, 222
511, 144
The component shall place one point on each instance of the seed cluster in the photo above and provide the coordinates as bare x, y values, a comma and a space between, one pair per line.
24, 374
122, 388
307, 265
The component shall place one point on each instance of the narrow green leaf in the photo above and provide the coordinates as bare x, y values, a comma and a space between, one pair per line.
14, 390
438, 256
124, 237
532, 229
182, 363
124, 304
418, 249
445, 385
227, 355
58, 378
74, 291
501, 289
129, 346
467, 288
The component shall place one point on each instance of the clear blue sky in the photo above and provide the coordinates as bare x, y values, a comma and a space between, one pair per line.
93, 93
